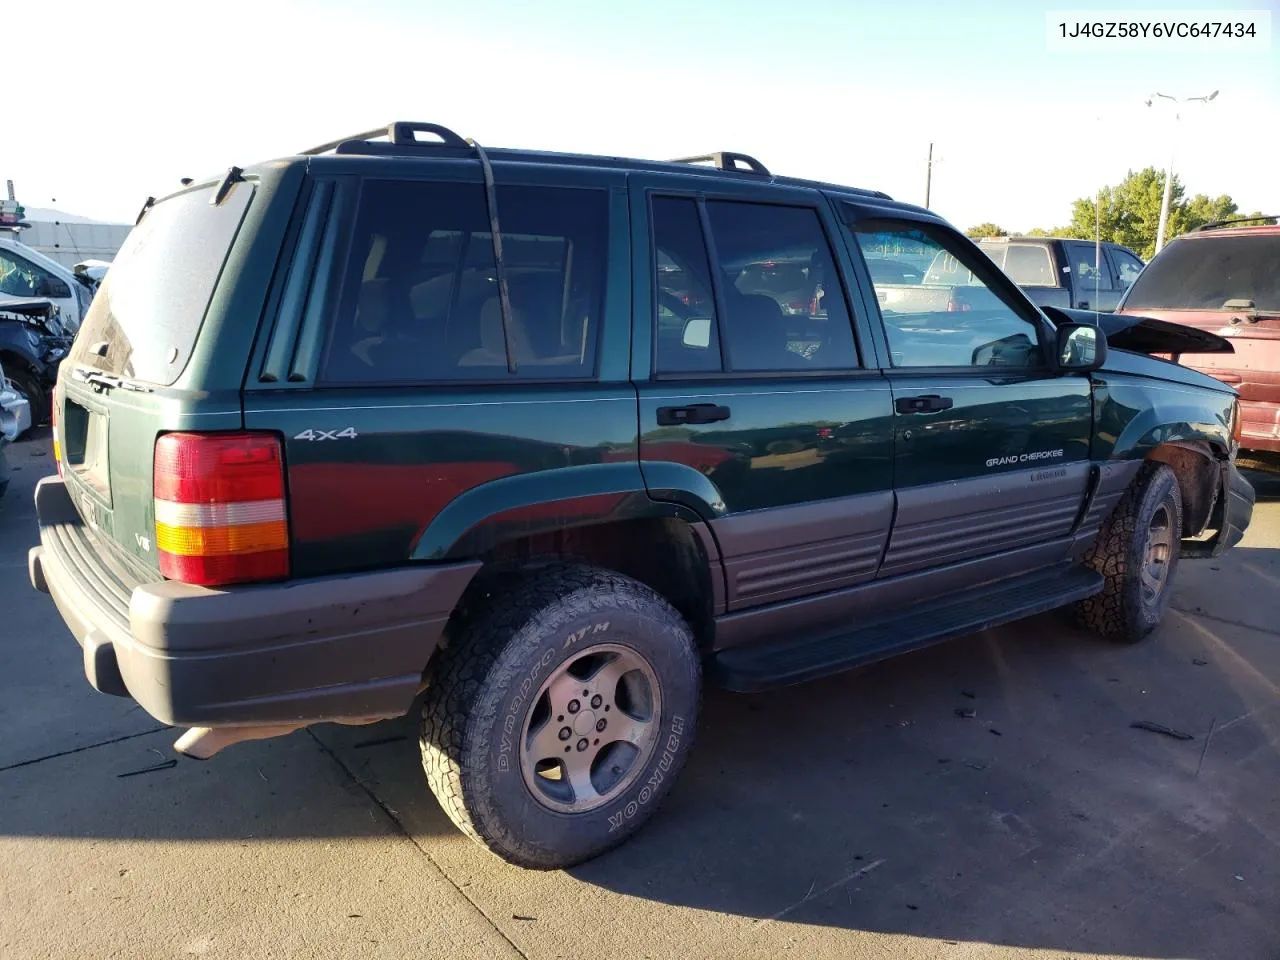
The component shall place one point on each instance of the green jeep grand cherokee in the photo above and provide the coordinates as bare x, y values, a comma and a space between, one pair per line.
548, 439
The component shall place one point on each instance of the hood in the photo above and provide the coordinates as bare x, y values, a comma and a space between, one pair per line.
1145, 333
38, 312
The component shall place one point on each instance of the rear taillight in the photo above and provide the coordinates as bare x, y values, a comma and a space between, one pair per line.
957, 306
220, 508
1237, 421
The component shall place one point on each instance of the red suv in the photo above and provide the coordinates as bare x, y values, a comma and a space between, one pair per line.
1225, 278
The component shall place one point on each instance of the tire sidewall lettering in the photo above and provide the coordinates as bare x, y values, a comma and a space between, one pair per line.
665, 759
513, 722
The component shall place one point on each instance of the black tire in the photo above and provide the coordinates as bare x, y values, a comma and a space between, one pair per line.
28, 384
485, 684
1124, 611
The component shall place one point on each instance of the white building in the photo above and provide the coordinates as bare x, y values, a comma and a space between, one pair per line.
69, 239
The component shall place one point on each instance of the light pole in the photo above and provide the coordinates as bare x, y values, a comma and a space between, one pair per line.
1168, 174
928, 177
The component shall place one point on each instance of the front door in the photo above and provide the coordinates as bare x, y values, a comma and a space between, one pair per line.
755, 409
992, 447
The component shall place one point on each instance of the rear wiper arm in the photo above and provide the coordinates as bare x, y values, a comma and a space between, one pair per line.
1253, 316
106, 381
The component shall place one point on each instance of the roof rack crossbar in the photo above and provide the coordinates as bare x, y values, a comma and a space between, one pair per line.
727, 160
1214, 224
399, 133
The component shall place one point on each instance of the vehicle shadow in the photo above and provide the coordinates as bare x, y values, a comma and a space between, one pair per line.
1266, 483
875, 802
864, 802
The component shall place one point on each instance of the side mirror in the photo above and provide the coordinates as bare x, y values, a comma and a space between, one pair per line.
697, 332
1081, 348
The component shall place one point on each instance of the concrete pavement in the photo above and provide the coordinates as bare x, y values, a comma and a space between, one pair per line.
857, 816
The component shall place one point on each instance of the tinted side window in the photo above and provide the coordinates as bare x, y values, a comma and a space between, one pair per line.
783, 303
420, 299
1127, 268
687, 335
21, 278
956, 317
1088, 264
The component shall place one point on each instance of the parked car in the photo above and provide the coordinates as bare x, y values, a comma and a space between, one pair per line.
1225, 278
15, 411
26, 274
32, 343
1062, 272
15, 420
503, 428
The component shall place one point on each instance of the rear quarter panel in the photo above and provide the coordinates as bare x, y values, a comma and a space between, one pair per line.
205, 396
382, 475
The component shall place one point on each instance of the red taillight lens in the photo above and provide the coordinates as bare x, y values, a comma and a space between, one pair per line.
220, 508
955, 306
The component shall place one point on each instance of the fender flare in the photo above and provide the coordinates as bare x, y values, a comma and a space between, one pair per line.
541, 502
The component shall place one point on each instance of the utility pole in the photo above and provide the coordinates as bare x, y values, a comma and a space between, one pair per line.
928, 177
1168, 173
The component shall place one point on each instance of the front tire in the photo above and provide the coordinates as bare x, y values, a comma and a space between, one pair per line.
558, 718
1137, 552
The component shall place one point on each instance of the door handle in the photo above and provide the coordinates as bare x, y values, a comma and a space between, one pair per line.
928, 403
1084, 305
694, 413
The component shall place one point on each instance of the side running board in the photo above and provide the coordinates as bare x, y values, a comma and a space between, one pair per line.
789, 660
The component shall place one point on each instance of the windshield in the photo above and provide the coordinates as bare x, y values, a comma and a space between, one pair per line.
1207, 272
145, 317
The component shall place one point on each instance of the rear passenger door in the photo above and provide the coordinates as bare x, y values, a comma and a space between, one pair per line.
992, 452
1126, 268
756, 410
1094, 285
385, 361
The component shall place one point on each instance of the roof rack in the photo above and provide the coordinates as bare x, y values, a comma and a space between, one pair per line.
399, 134
726, 160
1215, 224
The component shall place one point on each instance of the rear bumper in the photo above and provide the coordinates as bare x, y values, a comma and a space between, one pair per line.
1260, 423
329, 648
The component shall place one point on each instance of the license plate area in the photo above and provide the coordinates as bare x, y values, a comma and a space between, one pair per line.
84, 436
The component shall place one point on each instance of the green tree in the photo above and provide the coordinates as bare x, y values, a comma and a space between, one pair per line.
1131, 211
1042, 232
987, 229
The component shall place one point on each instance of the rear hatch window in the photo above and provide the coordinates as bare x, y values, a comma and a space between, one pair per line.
1210, 273
1027, 264
145, 318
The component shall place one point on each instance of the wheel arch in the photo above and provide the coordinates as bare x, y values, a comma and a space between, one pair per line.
673, 555
1197, 466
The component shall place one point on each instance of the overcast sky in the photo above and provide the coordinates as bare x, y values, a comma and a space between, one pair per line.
108, 103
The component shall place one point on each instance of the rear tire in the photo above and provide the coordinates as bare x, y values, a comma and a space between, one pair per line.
1137, 552
522, 703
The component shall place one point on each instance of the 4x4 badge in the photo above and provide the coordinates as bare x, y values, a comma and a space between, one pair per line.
346, 433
